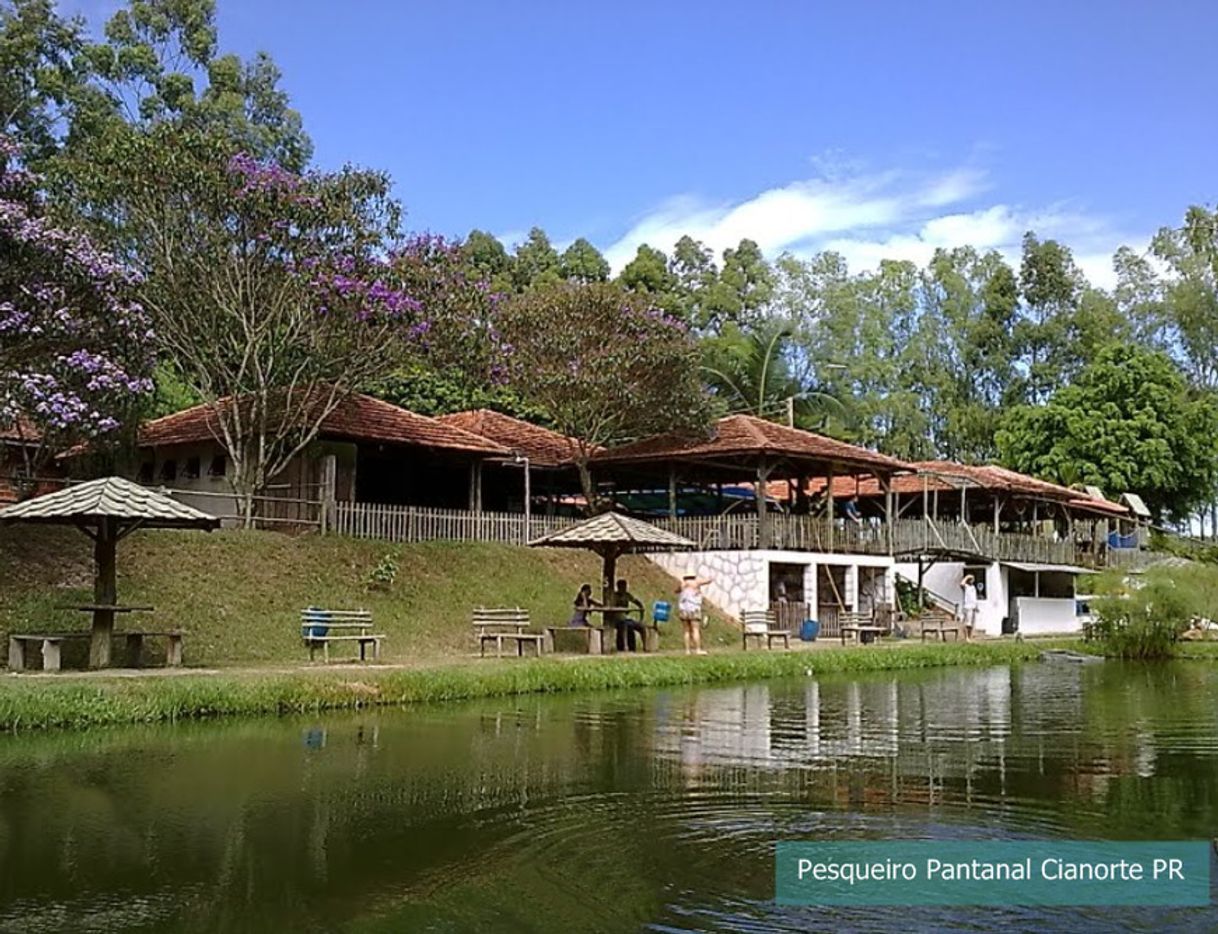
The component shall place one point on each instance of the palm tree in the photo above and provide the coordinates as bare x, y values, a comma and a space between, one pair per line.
752, 372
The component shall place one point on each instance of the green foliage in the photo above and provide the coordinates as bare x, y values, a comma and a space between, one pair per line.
384, 574
1143, 617
615, 369
1129, 423
430, 390
536, 262
582, 262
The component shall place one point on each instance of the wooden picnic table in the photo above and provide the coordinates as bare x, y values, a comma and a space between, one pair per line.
859, 628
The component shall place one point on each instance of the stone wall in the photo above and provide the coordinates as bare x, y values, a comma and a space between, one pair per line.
739, 579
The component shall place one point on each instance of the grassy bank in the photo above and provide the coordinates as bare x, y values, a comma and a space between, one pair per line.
238, 595
39, 703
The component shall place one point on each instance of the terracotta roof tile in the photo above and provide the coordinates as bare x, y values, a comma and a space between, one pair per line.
543, 447
947, 475
359, 418
744, 435
21, 431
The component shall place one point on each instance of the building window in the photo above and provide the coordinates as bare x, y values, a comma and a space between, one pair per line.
191, 470
169, 471
219, 466
145, 474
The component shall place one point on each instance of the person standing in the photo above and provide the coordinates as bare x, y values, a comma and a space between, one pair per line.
627, 628
689, 607
968, 606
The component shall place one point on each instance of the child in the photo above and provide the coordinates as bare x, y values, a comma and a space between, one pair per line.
689, 608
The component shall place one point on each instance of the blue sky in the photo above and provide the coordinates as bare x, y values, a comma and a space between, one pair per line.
881, 130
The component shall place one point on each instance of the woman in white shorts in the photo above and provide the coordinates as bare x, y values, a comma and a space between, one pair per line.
689, 608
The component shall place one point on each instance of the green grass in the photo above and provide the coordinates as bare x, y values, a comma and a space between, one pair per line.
238, 595
35, 703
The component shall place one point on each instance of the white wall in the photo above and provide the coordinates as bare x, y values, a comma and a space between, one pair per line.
1042, 615
741, 579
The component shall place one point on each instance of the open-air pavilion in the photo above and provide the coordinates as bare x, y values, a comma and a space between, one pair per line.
744, 449
107, 511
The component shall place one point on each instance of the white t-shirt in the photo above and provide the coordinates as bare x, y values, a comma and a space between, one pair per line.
970, 597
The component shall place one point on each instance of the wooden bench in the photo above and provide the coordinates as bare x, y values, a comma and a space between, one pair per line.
19, 644
319, 628
858, 624
506, 624
759, 624
940, 628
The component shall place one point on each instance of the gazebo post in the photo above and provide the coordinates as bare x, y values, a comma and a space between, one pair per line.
609, 572
763, 523
830, 510
105, 591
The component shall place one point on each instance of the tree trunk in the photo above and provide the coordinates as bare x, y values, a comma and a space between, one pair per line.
586, 484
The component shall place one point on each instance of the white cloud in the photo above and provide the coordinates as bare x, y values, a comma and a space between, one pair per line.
869, 217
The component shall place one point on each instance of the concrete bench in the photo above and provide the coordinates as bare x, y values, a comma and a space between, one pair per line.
941, 630
20, 644
760, 624
319, 628
500, 625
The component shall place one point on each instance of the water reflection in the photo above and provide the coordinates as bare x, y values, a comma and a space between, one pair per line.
609, 812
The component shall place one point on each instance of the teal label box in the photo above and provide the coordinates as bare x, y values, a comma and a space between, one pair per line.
993, 872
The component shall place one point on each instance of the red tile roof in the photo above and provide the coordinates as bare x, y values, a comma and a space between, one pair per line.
359, 418
947, 475
543, 447
745, 435
20, 431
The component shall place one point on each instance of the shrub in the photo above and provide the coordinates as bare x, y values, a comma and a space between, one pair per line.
384, 574
1143, 617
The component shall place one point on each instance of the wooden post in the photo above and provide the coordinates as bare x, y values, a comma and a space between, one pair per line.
997, 513
609, 573
528, 501
763, 517
329, 484
829, 508
105, 591
886, 483
475, 486
672, 491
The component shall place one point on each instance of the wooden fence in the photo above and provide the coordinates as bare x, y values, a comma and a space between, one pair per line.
425, 524
709, 533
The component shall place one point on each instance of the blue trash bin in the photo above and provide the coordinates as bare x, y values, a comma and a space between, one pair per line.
660, 611
809, 630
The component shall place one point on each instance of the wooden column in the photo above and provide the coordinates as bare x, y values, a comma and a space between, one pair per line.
672, 492
889, 527
105, 591
609, 573
832, 512
475, 486
763, 517
997, 513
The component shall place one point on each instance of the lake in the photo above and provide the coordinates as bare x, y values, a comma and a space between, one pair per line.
623, 811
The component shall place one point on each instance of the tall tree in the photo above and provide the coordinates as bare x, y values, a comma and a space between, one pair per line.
1191, 291
75, 348
274, 293
536, 261
1128, 423
1050, 285
488, 260
582, 262
617, 367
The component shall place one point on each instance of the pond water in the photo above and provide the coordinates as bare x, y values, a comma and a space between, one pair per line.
610, 812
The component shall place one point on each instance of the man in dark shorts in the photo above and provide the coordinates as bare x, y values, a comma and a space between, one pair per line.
627, 627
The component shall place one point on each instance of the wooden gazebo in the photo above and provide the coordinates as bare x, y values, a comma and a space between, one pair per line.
749, 449
107, 510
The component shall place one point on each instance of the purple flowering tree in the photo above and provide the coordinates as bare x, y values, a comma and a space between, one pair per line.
602, 365
75, 345
275, 295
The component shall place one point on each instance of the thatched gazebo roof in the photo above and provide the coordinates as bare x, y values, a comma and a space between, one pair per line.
614, 529
107, 510
612, 535
109, 498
